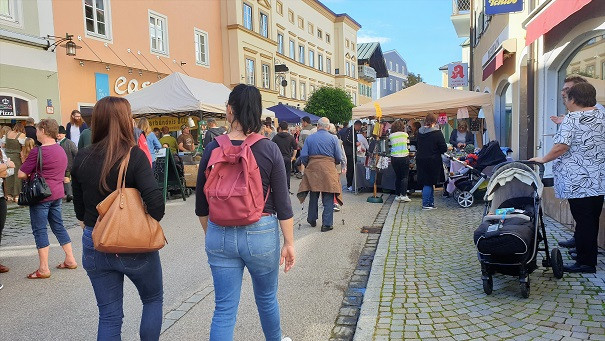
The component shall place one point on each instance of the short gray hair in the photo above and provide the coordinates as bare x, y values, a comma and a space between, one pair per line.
323, 123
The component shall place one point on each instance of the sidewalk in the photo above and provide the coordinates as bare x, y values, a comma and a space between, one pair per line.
426, 284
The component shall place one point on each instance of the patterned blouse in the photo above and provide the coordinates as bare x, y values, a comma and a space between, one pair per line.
580, 172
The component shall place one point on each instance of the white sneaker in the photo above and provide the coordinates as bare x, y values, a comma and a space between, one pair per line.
428, 208
405, 198
398, 198
350, 189
336, 208
286, 339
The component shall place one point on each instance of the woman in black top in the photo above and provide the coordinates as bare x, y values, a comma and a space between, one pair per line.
430, 146
254, 246
94, 176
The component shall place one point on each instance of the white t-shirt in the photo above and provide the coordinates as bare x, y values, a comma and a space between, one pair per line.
75, 134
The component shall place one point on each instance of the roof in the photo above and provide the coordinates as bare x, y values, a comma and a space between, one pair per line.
338, 15
444, 67
372, 54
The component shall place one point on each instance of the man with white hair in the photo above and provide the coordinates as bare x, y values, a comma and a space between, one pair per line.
320, 155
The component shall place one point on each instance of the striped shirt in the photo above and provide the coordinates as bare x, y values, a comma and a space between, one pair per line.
399, 144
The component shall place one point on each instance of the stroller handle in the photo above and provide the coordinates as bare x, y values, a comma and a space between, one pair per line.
528, 163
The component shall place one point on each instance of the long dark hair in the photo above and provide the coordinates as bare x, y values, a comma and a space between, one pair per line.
112, 133
246, 104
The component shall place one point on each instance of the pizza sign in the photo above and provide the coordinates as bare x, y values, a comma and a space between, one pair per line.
6, 106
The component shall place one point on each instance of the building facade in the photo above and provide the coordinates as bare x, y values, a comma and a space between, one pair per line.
28, 71
371, 66
128, 45
288, 48
398, 75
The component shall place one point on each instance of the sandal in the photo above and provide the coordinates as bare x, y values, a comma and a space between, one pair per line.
37, 275
65, 266
17, 199
3, 268
9, 198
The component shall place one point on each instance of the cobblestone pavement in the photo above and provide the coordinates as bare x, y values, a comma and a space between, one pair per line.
426, 284
18, 223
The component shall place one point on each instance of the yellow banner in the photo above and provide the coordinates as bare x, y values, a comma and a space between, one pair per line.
173, 123
378, 110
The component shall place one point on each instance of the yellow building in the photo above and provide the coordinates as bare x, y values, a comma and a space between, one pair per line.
288, 48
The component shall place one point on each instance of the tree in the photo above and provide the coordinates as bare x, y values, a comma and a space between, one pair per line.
331, 102
413, 79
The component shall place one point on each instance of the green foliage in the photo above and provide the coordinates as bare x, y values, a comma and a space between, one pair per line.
331, 102
413, 79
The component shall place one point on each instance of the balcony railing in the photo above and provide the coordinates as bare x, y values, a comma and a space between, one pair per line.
366, 73
461, 7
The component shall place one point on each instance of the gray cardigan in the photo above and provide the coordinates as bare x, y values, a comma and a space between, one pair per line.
71, 150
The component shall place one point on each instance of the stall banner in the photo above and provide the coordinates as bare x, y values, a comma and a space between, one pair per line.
101, 85
457, 75
6, 106
173, 123
502, 6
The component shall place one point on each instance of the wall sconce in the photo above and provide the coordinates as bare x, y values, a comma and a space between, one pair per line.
140, 73
81, 63
107, 67
130, 71
183, 63
70, 46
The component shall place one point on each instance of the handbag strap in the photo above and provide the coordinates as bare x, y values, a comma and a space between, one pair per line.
122, 172
39, 160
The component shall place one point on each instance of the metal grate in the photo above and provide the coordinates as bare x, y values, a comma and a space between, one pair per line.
461, 6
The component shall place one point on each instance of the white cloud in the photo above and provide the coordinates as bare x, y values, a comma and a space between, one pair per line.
367, 38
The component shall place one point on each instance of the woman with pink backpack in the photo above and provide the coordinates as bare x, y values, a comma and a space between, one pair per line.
241, 198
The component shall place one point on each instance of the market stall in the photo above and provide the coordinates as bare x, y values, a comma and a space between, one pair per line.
414, 103
291, 114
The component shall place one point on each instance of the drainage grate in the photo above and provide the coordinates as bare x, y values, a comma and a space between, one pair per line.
371, 229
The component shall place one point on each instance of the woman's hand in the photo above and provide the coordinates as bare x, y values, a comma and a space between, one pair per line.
10, 164
537, 159
204, 223
557, 119
289, 255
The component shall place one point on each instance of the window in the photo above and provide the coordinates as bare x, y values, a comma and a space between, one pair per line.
282, 89
391, 66
301, 23
320, 62
248, 16
95, 11
352, 73
396, 67
328, 65
327, 38
279, 7
301, 54
354, 98
280, 43
266, 74
201, 47
311, 29
8, 10
311, 58
347, 71
264, 23
293, 87
353, 46
292, 50
590, 70
291, 16
347, 43
250, 72
390, 84
158, 33
320, 34
13, 106
311, 89
603, 70
396, 85
303, 91
384, 83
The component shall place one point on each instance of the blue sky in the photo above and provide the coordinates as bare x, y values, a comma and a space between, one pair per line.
420, 30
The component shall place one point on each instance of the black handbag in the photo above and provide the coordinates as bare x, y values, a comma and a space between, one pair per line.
34, 189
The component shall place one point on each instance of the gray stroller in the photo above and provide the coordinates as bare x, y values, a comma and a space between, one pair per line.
509, 238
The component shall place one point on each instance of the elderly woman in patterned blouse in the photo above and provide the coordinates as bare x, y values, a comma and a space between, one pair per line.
579, 170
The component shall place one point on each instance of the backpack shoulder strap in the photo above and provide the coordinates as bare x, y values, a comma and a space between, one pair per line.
223, 140
252, 139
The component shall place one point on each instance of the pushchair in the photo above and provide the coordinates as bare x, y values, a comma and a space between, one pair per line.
509, 238
471, 183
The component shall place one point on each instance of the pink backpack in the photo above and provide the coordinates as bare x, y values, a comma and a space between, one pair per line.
234, 188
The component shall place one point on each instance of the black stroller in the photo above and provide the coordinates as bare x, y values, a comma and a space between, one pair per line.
508, 239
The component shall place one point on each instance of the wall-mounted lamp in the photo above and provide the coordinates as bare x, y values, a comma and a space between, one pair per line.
81, 63
107, 67
70, 46
140, 73
183, 63
130, 71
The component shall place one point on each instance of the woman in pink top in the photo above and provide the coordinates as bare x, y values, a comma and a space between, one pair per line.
54, 163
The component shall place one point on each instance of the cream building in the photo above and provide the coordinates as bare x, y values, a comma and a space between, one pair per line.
288, 48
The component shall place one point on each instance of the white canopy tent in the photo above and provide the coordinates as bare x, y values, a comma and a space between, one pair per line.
420, 99
179, 93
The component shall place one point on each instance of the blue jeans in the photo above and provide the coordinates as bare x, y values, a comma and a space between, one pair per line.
106, 272
50, 212
327, 216
230, 249
428, 198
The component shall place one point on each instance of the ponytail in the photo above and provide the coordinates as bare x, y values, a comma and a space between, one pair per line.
246, 103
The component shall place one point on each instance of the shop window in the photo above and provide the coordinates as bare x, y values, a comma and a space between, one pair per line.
292, 50
201, 48
96, 17
320, 62
158, 33
301, 54
303, 91
264, 25
250, 79
280, 43
504, 116
266, 74
11, 106
293, 88
311, 58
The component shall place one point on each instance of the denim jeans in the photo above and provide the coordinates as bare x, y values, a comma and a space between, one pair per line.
106, 272
230, 249
428, 198
50, 212
327, 216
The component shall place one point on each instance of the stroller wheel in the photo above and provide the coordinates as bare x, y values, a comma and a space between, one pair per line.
488, 285
465, 199
556, 261
524, 286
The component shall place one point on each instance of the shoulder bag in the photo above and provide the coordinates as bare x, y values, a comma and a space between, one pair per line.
124, 226
35, 189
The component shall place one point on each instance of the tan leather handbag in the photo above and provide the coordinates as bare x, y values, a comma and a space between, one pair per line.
124, 226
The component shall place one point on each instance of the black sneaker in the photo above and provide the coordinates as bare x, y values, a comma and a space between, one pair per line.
312, 223
580, 268
570, 243
325, 228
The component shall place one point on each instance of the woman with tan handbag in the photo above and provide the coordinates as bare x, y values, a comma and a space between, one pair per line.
95, 179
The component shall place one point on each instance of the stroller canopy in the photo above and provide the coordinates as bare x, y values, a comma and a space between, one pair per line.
490, 155
516, 179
